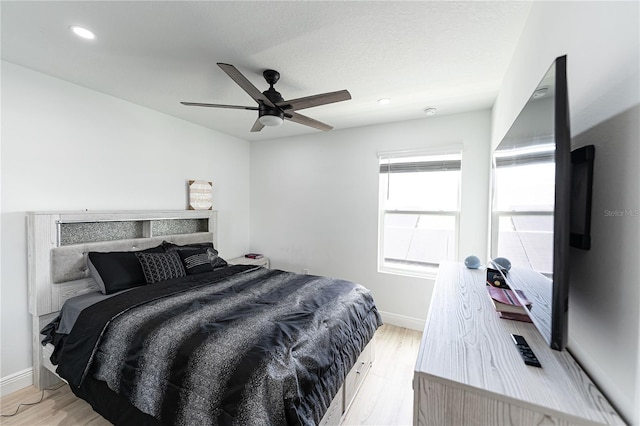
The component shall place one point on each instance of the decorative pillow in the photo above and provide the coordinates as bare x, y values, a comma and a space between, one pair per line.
195, 261
215, 260
161, 266
117, 270
171, 246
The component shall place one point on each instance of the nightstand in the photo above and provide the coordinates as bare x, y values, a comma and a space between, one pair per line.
263, 261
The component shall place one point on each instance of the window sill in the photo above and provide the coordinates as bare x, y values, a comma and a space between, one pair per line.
427, 273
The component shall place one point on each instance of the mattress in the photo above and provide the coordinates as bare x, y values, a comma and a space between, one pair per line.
73, 306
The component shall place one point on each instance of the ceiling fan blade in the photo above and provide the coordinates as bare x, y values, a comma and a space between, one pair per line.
219, 106
302, 119
315, 100
245, 84
257, 126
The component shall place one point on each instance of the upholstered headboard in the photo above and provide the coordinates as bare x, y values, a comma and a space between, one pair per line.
59, 243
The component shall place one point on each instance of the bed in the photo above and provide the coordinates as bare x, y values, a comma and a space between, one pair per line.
199, 341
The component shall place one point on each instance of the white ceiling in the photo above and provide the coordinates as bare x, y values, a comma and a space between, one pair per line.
447, 54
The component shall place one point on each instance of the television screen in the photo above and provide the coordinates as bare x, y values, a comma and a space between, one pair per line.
531, 178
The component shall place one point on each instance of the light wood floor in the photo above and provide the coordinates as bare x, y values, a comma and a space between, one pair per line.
386, 395
385, 398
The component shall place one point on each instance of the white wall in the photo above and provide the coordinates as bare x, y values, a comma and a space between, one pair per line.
602, 44
604, 319
601, 40
314, 203
65, 147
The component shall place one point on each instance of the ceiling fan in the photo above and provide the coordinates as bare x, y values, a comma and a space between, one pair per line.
272, 108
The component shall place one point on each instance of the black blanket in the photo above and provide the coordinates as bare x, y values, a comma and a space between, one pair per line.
235, 346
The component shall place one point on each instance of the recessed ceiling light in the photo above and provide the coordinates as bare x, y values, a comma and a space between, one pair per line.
82, 32
384, 101
430, 110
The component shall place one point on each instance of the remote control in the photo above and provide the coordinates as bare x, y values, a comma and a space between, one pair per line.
525, 351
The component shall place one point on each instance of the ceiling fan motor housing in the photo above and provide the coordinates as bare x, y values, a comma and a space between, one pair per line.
272, 77
267, 110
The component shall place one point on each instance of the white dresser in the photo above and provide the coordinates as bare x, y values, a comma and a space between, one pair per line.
469, 371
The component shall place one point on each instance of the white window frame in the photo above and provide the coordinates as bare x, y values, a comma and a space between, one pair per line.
422, 271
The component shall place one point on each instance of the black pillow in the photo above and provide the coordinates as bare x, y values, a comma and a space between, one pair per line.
117, 270
196, 261
215, 260
171, 246
161, 266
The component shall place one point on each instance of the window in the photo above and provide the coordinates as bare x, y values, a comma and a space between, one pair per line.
419, 212
522, 219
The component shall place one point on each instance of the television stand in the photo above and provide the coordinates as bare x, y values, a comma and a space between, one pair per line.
469, 372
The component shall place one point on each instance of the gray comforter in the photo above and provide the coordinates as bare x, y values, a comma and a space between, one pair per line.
241, 346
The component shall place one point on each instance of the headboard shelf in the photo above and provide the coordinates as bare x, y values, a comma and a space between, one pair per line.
70, 233
78, 232
124, 215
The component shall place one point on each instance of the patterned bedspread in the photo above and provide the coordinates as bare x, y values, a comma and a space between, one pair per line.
236, 346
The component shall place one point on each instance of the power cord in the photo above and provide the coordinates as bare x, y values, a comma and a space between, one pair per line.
32, 403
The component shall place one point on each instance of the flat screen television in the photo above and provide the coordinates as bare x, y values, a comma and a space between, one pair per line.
531, 195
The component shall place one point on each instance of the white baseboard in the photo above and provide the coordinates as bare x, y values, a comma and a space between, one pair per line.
16, 381
402, 321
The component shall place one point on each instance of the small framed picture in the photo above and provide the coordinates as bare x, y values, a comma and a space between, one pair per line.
200, 195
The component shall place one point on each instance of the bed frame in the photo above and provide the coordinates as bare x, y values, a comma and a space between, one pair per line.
58, 243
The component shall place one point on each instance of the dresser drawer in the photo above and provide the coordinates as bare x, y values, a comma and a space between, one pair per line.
334, 413
357, 374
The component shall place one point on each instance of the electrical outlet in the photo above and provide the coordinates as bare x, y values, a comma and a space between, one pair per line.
305, 271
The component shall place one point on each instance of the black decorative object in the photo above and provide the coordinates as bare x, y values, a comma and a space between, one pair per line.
581, 194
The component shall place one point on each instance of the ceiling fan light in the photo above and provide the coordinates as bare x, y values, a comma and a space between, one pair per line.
270, 120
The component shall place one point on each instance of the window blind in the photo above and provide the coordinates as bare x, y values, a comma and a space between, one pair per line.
525, 159
420, 166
